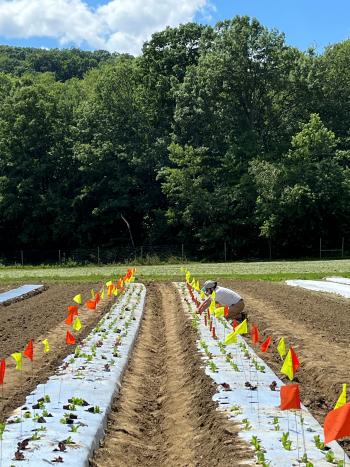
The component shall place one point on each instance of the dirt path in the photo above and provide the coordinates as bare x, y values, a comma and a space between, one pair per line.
39, 317
164, 414
316, 324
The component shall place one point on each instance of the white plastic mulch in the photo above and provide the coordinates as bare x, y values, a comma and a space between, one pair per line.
93, 375
18, 292
258, 410
331, 285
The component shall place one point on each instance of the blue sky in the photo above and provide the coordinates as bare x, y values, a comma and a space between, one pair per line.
123, 25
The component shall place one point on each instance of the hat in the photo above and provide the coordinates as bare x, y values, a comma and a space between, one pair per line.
209, 285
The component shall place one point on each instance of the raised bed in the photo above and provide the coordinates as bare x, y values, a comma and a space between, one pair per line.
64, 419
249, 393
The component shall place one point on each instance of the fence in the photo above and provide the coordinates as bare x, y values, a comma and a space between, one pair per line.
153, 254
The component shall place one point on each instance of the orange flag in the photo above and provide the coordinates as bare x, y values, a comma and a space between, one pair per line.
226, 311
255, 334
97, 297
290, 397
70, 339
29, 350
235, 323
265, 345
337, 424
2, 370
73, 309
90, 304
295, 360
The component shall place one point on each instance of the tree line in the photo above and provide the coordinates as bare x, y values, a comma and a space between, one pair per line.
212, 134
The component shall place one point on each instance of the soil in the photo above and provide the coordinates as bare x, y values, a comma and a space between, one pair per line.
39, 317
164, 414
316, 324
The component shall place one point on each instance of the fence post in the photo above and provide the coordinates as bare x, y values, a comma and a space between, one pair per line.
270, 248
225, 252
342, 247
98, 255
320, 247
22, 259
141, 252
182, 251
59, 256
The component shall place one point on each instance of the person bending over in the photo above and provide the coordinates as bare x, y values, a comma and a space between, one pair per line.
224, 297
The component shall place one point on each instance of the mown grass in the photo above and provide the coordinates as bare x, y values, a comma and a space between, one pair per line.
271, 271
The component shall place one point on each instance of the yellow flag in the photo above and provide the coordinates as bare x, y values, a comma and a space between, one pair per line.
202, 295
213, 295
115, 292
193, 283
287, 367
188, 276
231, 338
17, 356
109, 283
103, 294
212, 306
281, 348
77, 324
92, 293
46, 346
242, 328
77, 299
341, 399
219, 312
132, 279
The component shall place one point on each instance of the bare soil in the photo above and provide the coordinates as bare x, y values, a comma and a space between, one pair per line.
39, 317
164, 414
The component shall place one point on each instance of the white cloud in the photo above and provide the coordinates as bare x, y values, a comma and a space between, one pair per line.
118, 25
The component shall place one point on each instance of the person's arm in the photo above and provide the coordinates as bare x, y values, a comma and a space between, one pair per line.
205, 305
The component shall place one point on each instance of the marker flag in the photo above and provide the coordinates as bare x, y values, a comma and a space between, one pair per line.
70, 339
17, 356
202, 295
265, 345
231, 338
290, 364
92, 293
337, 424
115, 292
341, 399
242, 328
103, 294
235, 323
255, 334
109, 283
212, 306
77, 324
281, 348
46, 346
226, 311
188, 276
219, 312
29, 350
2, 370
90, 304
77, 299
290, 397
73, 309
69, 319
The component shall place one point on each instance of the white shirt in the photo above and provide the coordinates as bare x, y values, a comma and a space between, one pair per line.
226, 296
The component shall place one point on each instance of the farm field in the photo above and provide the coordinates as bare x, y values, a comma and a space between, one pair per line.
39, 317
164, 413
272, 270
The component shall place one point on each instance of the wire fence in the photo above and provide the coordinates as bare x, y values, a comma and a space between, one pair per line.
175, 253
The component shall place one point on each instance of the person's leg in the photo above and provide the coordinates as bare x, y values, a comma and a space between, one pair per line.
235, 311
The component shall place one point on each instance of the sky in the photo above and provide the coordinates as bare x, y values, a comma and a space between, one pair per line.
123, 25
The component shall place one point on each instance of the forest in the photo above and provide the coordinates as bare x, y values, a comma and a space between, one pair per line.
211, 134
